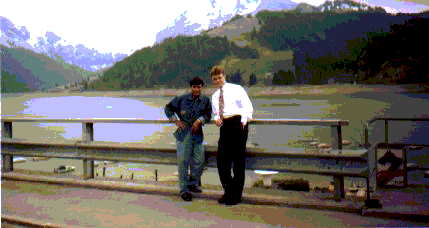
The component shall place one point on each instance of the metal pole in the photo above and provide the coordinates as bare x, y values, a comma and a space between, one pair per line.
366, 137
337, 144
340, 138
367, 187
386, 131
156, 175
405, 161
87, 132
87, 138
88, 169
7, 129
338, 188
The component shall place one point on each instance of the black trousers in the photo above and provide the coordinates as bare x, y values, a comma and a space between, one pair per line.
232, 153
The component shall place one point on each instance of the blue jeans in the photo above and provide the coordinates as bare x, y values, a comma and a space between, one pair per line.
189, 153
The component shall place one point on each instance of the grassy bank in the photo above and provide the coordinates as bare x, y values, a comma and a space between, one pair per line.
254, 92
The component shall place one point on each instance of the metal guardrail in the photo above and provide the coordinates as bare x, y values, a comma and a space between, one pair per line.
308, 122
386, 127
372, 147
256, 159
373, 167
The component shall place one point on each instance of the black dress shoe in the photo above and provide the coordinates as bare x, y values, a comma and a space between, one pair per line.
222, 199
233, 202
187, 196
194, 188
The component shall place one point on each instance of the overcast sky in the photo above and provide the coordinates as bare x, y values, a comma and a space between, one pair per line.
123, 26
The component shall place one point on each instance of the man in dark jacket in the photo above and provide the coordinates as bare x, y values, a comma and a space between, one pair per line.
193, 110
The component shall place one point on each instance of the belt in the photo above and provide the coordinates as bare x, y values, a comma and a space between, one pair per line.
230, 116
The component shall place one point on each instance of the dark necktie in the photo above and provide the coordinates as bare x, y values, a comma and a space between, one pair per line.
221, 104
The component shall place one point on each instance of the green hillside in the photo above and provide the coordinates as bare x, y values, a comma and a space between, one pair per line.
24, 70
272, 48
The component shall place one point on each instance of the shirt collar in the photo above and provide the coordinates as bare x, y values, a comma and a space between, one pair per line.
190, 98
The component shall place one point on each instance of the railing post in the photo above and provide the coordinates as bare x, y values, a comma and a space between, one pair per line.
88, 169
366, 138
372, 178
6, 129
87, 132
6, 159
386, 131
338, 139
6, 163
87, 138
338, 188
372, 168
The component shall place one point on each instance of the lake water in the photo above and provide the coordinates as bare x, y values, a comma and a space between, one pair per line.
110, 107
358, 108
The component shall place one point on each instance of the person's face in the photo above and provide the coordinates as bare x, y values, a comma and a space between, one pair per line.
218, 80
196, 90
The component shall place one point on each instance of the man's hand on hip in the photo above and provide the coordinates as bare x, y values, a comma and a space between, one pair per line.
196, 126
180, 124
219, 122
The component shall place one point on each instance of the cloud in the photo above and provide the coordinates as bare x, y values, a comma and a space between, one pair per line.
201, 15
419, 2
25, 34
8, 29
52, 38
398, 6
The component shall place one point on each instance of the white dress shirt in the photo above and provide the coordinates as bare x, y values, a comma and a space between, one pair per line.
236, 100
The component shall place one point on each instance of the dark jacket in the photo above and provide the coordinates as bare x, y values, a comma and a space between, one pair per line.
189, 110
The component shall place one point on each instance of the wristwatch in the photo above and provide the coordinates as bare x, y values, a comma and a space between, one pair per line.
174, 118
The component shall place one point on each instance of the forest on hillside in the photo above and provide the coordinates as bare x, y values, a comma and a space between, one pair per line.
325, 45
171, 63
359, 43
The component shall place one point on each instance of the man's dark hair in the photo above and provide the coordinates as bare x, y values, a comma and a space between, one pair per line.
196, 81
216, 70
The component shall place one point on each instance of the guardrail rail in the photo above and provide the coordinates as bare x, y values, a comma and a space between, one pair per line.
386, 127
88, 150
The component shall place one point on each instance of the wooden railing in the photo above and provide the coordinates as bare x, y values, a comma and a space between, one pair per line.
336, 165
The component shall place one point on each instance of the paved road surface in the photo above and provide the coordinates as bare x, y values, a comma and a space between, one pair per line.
97, 208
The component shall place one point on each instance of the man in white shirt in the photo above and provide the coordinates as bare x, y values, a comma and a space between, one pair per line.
232, 109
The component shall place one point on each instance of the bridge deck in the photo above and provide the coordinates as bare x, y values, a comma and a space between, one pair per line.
62, 206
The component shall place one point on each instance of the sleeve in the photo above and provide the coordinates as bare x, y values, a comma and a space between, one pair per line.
215, 104
171, 109
209, 111
205, 118
247, 106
